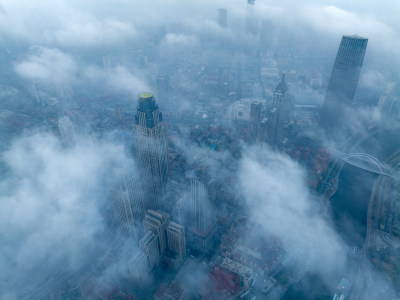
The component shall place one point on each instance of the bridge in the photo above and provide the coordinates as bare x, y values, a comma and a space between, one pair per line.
367, 162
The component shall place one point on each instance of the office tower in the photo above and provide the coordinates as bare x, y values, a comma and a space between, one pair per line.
344, 79
251, 18
163, 88
176, 240
67, 131
157, 222
139, 267
150, 145
201, 213
254, 121
150, 246
200, 206
279, 111
125, 194
222, 17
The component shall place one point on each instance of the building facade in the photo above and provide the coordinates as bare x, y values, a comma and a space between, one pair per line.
151, 149
202, 228
279, 111
67, 132
157, 222
176, 240
126, 197
150, 246
139, 268
344, 79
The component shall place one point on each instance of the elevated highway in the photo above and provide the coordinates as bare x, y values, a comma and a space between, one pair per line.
367, 162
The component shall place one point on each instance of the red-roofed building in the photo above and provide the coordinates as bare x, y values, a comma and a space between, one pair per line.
172, 292
221, 284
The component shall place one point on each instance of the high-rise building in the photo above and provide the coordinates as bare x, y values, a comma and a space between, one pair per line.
201, 213
139, 267
176, 239
150, 246
344, 79
163, 88
151, 149
126, 197
279, 111
222, 17
157, 222
254, 121
251, 19
67, 131
171, 243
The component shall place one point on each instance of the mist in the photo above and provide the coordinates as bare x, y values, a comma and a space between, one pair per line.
209, 119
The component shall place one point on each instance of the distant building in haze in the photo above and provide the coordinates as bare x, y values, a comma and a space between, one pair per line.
266, 123
151, 149
67, 131
254, 121
344, 79
163, 88
279, 111
251, 18
222, 17
202, 228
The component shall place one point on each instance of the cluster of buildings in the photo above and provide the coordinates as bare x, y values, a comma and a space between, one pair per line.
163, 240
167, 206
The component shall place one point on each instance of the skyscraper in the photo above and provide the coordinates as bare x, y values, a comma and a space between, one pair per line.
139, 267
151, 149
157, 222
176, 239
201, 213
150, 246
125, 194
251, 19
67, 131
344, 79
254, 121
222, 17
279, 110
163, 88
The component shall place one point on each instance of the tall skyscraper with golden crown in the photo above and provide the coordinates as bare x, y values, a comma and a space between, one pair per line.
151, 148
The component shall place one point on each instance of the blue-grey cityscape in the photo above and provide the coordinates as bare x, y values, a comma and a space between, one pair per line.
178, 150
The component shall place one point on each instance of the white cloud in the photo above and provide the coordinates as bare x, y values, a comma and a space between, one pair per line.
48, 65
279, 202
50, 219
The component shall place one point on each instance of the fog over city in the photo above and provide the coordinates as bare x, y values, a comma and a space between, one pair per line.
199, 149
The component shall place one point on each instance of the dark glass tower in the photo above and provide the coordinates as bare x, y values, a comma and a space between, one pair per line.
151, 148
344, 79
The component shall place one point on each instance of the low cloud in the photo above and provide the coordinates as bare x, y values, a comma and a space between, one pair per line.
281, 205
50, 210
48, 65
